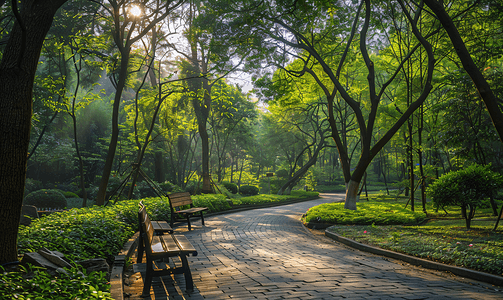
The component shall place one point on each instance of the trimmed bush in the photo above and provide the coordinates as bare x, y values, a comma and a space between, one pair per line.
70, 194
367, 213
248, 190
465, 188
46, 199
231, 187
215, 202
169, 187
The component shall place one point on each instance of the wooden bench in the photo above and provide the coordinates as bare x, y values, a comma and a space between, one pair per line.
161, 247
160, 228
176, 200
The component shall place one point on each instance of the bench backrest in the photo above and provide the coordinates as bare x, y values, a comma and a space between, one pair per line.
179, 199
146, 229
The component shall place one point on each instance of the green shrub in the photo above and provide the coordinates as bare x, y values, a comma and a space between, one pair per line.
192, 187
248, 190
367, 213
168, 187
46, 199
222, 190
215, 202
465, 188
70, 194
231, 187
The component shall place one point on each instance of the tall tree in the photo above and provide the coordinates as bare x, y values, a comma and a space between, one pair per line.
203, 69
297, 30
131, 23
17, 74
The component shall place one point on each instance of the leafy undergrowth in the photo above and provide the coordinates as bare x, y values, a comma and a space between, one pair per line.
383, 221
35, 283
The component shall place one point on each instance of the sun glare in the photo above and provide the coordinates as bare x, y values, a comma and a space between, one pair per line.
135, 10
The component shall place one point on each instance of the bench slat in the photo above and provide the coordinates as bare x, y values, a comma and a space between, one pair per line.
157, 245
170, 244
184, 244
192, 210
161, 226
180, 199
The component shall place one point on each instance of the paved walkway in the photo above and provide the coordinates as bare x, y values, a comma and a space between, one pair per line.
268, 254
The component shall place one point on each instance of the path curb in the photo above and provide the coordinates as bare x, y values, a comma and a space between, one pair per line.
467, 273
119, 266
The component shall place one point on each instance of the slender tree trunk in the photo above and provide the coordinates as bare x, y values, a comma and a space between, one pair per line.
74, 120
411, 166
107, 169
17, 74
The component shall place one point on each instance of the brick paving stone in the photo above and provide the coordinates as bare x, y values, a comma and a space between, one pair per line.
268, 254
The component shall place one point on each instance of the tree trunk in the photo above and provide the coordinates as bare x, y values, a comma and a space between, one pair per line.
17, 74
81, 162
351, 195
107, 169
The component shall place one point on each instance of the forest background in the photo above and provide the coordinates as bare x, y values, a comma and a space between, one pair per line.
348, 94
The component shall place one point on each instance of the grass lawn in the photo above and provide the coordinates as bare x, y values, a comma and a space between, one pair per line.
439, 236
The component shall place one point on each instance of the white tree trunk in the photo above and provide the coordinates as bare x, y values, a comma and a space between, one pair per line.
351, 195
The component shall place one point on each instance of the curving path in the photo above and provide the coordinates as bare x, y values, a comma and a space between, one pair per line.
268, 254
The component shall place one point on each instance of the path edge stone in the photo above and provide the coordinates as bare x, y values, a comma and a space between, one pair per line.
463, 272
119, 266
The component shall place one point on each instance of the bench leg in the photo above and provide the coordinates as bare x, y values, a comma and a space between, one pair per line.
148, 279
140, 250
202, 219
189, 283
188, 221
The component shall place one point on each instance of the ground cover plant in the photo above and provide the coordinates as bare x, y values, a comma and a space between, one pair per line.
442, 237
98, 232
377, 213
34, 283
478, 249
